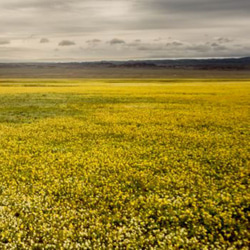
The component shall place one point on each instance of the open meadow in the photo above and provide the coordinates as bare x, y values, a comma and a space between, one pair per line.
124, 164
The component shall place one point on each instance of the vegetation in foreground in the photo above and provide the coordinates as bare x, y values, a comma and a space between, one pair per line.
124, 164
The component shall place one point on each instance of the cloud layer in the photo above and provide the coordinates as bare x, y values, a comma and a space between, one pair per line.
122, 29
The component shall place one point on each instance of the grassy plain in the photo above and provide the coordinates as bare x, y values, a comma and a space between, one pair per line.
125, 164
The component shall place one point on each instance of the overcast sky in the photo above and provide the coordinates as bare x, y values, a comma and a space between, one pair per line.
87, 30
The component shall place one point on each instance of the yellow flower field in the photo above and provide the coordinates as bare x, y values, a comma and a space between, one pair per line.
124, 164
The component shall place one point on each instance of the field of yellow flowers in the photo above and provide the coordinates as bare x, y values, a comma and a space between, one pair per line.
124, 164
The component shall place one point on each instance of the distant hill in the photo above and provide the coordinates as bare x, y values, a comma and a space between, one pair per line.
228, 67
227, 63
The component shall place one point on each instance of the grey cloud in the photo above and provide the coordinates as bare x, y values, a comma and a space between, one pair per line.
217, 46
93, 42
224, 40
214, 44
179, 47
175, 43
199, 47
117, 41
37, 4
220, 48
158, 39
194, 6
190, 14
144, 48
150, 47
44, 40
135, 43
66, 43
137, 40
4, 42
206, 47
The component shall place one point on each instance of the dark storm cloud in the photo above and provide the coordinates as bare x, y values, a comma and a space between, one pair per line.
66, 43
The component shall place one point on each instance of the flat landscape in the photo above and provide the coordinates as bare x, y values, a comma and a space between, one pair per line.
124, 164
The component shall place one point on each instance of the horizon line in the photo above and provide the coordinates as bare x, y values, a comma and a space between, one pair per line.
127, 60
